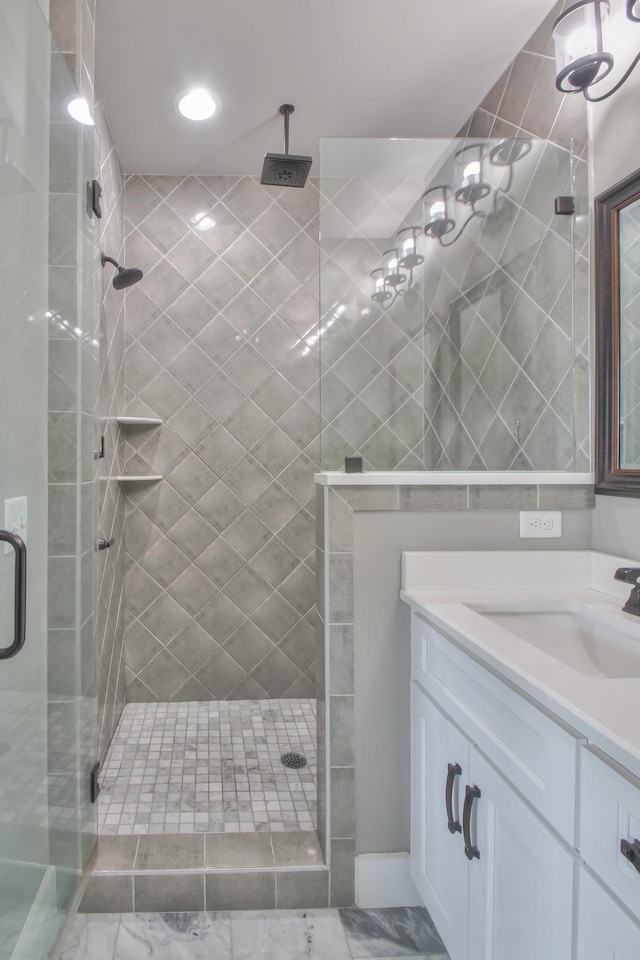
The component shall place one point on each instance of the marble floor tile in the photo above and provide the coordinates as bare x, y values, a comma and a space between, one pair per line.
174, 936
93, 936
288, 935
391, 932
209, 767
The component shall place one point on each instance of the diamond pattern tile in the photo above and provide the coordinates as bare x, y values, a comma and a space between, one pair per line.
211, 354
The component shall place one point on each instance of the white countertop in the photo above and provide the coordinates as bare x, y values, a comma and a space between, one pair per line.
384, 478
606, 711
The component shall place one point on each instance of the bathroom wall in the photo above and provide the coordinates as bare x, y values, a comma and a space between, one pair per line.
523, 100
382, 648
72, 24
502, 385
372, 357
615, 148
530, 363
220, 581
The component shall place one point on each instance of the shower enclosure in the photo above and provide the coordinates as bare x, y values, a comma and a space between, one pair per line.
454, 305
48, 390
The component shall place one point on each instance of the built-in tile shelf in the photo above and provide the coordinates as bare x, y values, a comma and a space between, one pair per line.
143, 478
139, 421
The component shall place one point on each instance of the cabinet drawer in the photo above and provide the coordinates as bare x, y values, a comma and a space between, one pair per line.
534, 752
609, 814
605, 931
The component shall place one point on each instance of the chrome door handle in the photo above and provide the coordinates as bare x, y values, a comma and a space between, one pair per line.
20, 603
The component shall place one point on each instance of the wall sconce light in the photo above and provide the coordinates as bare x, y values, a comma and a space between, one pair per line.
390, 276
470, 162
435, 205
473, 187
381, 294
581, 59
409, 256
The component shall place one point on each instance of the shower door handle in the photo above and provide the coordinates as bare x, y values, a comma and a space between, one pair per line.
20, 602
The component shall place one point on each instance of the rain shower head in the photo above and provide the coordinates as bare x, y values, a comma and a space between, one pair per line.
285, 169
126, 276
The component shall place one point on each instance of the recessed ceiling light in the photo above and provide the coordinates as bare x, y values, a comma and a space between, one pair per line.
78, 108
197, 104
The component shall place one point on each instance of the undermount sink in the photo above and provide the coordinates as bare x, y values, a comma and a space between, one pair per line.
581, 636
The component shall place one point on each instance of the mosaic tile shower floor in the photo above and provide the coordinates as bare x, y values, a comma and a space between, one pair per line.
209, 767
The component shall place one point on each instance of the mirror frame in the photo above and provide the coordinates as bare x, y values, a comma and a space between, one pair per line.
611, 479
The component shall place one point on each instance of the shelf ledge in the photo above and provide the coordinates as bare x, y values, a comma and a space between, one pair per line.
144, 478
139, 421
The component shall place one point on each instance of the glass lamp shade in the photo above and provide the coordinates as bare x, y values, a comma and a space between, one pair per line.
409, 258
435, 205
633, 10
393, 274
381, 292
473, 186
578, 36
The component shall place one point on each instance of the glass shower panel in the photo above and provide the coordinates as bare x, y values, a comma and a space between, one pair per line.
447, 339
47, 415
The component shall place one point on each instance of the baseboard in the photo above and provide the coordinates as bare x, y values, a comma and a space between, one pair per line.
383, 880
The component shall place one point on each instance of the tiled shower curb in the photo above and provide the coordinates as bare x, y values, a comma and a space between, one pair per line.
195, 872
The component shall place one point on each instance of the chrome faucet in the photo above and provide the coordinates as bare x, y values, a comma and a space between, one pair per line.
631, 575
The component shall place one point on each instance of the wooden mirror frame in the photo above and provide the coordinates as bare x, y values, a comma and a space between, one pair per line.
611, 479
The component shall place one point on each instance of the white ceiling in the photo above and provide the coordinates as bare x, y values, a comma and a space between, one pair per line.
353, 68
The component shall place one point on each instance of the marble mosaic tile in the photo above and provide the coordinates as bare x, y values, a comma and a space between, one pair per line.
209, 767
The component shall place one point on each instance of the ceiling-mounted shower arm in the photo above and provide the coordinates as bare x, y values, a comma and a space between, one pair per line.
286, 110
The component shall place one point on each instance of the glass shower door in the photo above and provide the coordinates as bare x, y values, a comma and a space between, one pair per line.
27, 887
47, 689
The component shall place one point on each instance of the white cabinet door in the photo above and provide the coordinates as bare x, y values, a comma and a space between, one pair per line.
605, 931
521, 883
438, 863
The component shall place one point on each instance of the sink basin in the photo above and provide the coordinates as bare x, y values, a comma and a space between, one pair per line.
583, 637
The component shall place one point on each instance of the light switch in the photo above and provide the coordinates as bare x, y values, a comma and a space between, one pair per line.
15, 519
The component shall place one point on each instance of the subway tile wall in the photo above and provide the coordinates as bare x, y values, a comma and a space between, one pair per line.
220, 584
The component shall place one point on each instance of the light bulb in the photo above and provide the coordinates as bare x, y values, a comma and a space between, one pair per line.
198, 104
78, 109
471, 170
437, 210
379, 284
581, 42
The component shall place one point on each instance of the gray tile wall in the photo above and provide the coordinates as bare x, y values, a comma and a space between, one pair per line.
525, 103
73, 26
220, 580
480, 374
111, 674
372, 358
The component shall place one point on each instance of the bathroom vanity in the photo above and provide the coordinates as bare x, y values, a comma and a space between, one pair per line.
525, 754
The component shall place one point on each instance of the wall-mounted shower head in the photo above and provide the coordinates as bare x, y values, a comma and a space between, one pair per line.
126, 276
285, 169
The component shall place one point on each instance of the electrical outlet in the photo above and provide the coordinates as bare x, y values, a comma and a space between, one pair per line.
540, 523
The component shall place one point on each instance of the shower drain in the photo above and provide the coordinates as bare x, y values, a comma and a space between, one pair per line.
293, 760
